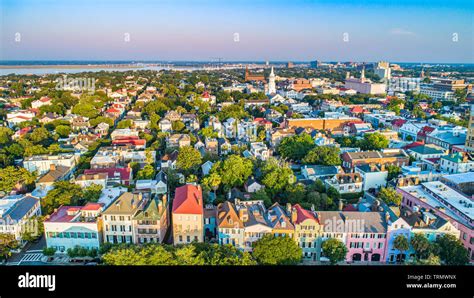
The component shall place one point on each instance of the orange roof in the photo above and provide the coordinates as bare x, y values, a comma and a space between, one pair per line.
188, 200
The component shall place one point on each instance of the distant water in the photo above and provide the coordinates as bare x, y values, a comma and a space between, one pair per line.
57, 70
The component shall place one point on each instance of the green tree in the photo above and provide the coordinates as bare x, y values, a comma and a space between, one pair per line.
7, 244
92, 193
212, 181
5, 135
276, 176
63, 130
148, 172
261, 195
401, 243
393, 171
271, 250
49, 251
189, 159
63, 193
40, 135
32, 228
12, 177
296, 147
234, 171
374, 141
86, 110
323, 155
178, 126
208, 132
390, 196
127, 123
334, 250
451, 250
421, 245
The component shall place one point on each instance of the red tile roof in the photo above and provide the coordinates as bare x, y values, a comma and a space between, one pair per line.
303, 214
61, 214
349, 207
425, 130
413, 145
188, 200
398, 122
357, 110
133, 140
112, 110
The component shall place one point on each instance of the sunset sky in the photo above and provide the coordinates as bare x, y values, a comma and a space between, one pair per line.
397, 31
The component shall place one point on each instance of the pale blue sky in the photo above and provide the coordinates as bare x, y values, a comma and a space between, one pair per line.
406, 31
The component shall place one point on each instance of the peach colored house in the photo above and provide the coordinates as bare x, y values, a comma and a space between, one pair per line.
188, 215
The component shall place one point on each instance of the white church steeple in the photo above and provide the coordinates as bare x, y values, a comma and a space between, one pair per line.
271, 83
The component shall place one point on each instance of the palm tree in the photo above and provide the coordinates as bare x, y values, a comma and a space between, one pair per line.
401, 243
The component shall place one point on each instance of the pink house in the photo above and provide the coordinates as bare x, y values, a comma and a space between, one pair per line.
445, 202
363, 233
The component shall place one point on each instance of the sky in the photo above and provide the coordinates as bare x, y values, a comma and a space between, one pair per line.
258, 30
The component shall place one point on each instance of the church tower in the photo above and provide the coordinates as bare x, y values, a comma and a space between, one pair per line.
271, 83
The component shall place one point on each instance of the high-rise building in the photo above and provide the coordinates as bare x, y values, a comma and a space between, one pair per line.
383, 70
470, 132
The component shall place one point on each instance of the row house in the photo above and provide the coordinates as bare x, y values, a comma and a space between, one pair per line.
255, 221
447, 137
70, 226
188, 215
456, 163
445, 202
363, 233
136, 218
16, 212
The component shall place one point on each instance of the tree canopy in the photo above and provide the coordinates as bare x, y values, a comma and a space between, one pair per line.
271, 250
296, 147
334, 250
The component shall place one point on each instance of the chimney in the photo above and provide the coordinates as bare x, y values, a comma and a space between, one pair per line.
52, 167
387, 217
243, 214
164, 199
288, 208
294, 215
341, 205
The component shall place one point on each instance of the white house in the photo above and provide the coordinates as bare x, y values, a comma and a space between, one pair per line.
42, 163
372, 176
15, 212
71, 226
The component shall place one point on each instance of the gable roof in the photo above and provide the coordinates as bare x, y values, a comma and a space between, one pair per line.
227, 216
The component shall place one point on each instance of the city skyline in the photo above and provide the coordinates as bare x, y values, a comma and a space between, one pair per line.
201, 30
